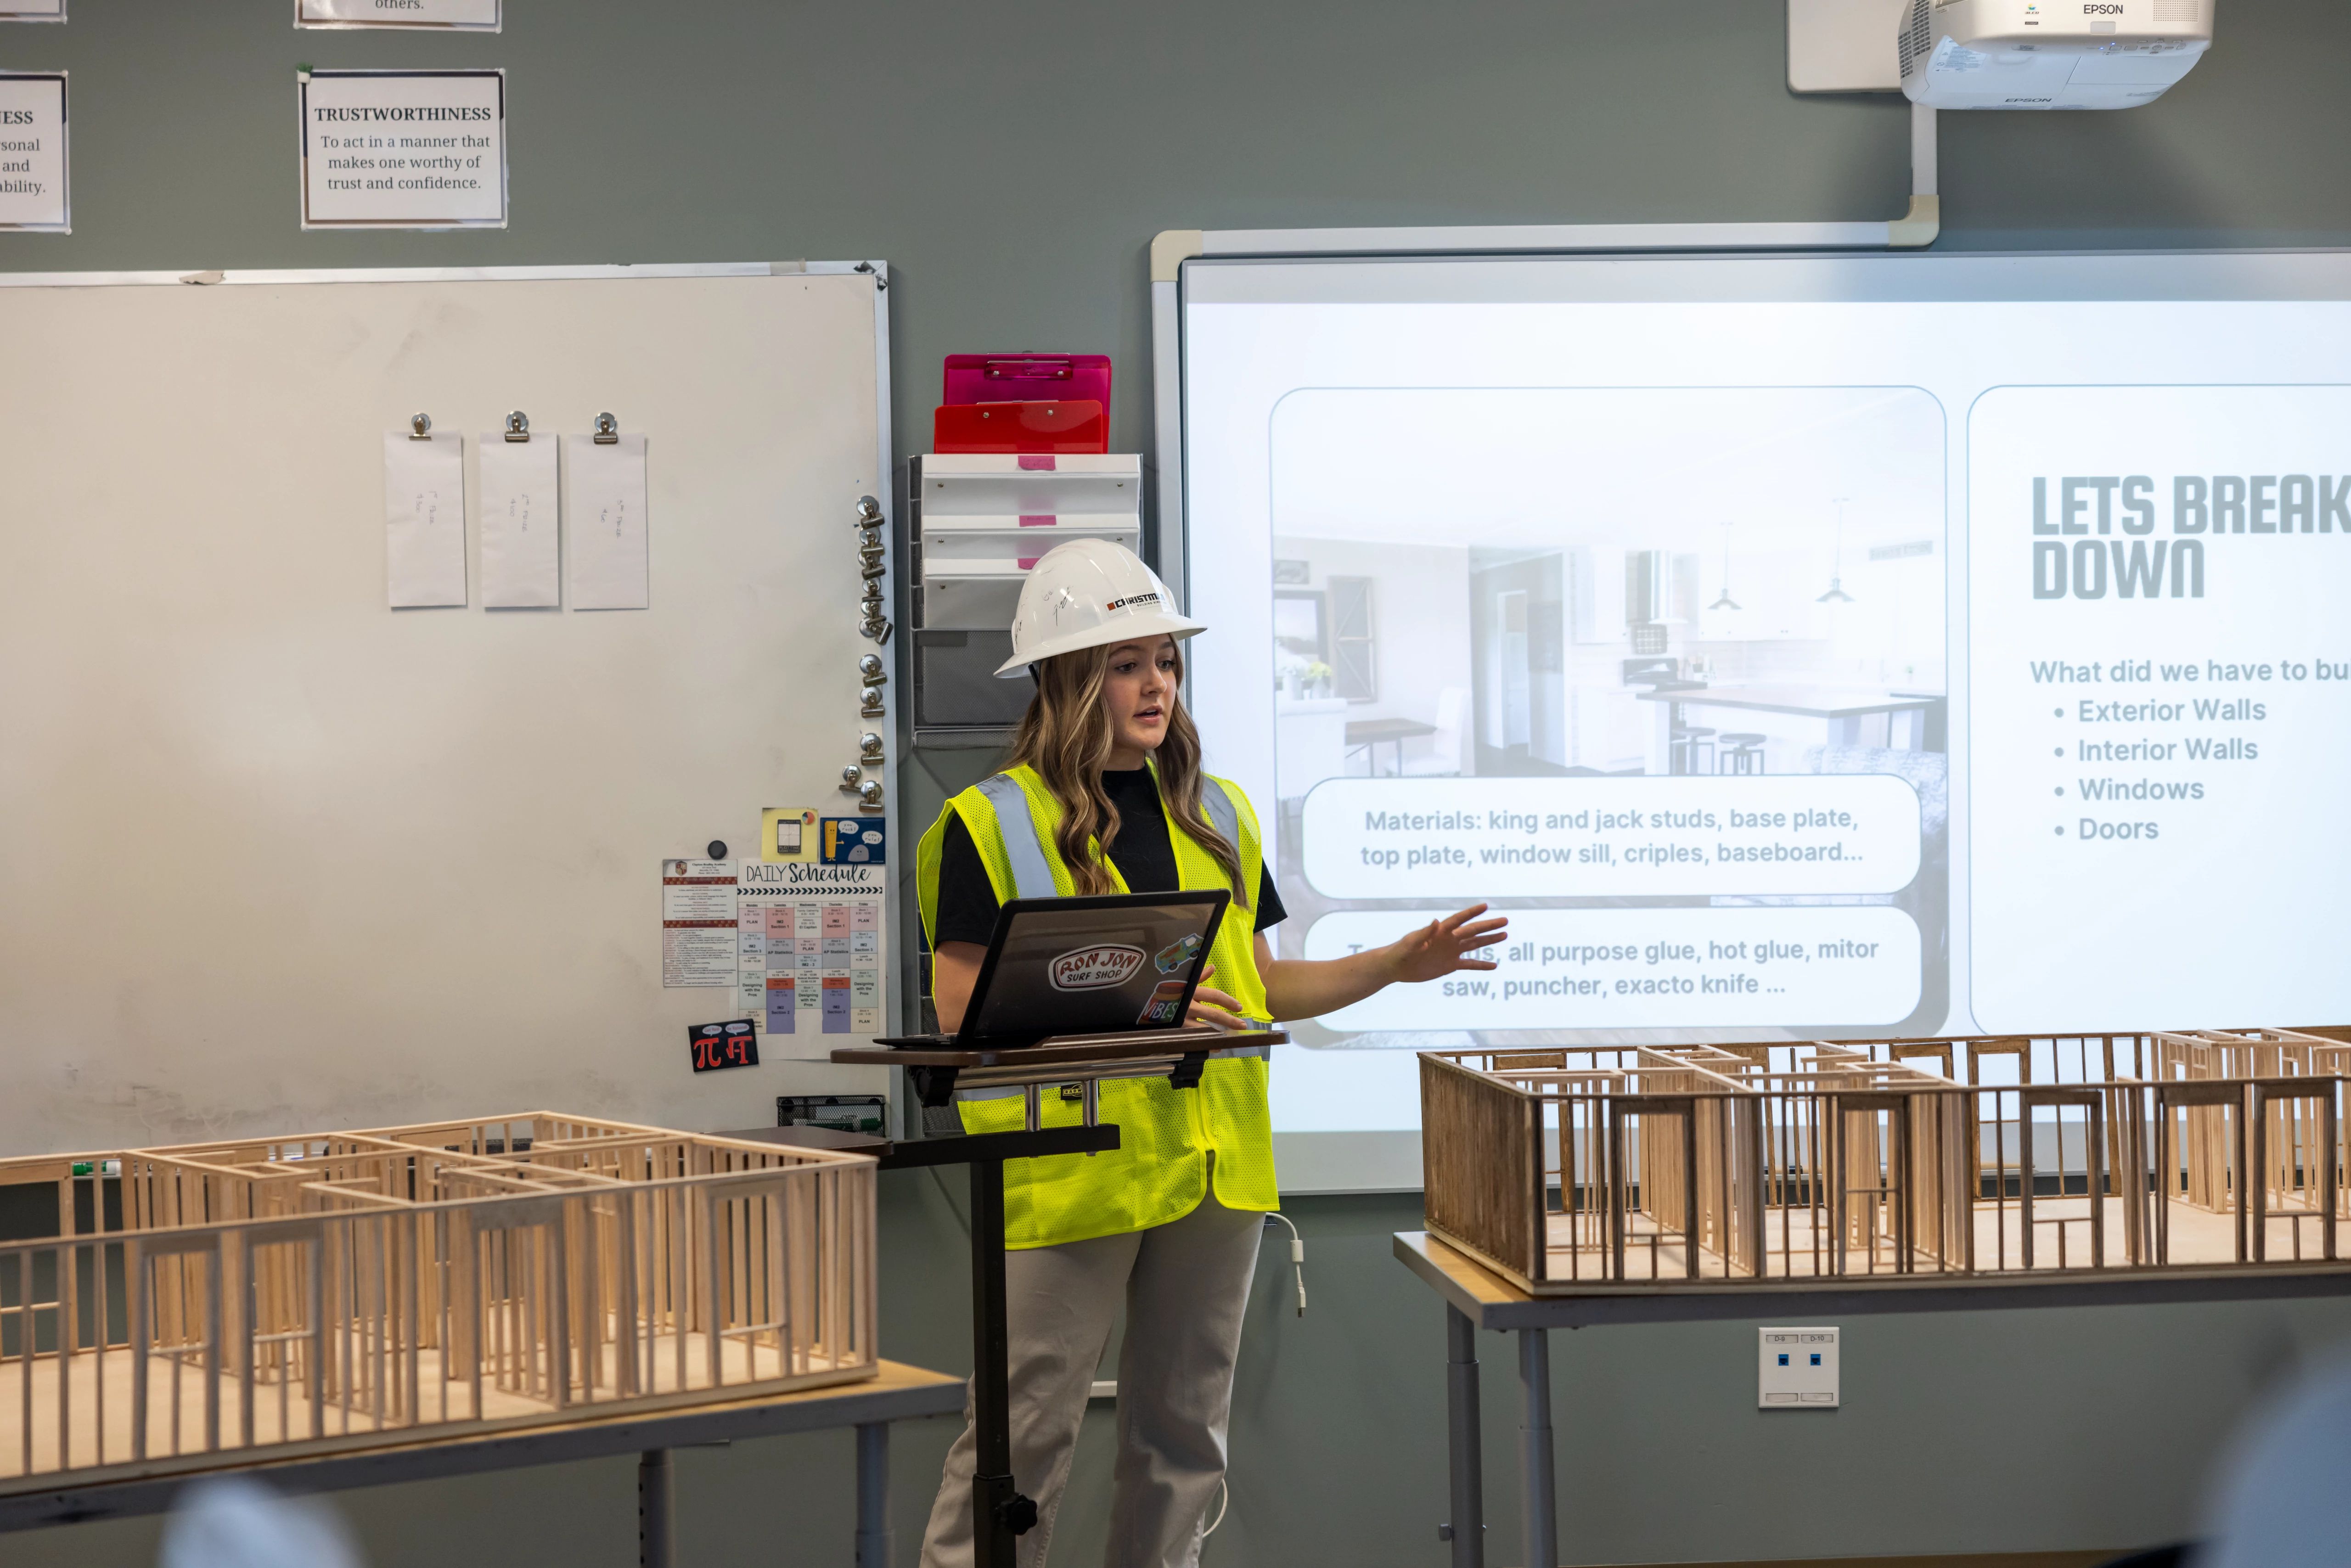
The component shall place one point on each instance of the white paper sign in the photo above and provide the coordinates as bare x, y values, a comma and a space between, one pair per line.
698, 924
471, 16
424, 519
519, 523
607, 523
33, 152
32, 10
415, 150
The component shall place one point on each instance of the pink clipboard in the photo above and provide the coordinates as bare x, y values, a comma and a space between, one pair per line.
1028, 378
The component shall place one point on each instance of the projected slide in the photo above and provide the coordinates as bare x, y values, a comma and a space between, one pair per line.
1637, 686
1792, 648
2161, 704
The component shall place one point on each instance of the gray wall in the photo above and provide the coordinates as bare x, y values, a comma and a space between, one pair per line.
1012, 161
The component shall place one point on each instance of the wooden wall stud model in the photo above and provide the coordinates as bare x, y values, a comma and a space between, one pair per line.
1573, 1169
267, 1297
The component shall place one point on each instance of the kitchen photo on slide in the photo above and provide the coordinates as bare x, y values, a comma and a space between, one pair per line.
1659, 671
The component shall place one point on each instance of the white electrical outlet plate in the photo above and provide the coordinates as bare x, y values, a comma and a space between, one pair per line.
1797, 1369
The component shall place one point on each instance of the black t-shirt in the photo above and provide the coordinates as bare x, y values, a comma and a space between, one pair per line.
1144, 857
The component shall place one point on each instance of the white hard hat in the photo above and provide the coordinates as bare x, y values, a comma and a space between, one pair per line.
1085, 594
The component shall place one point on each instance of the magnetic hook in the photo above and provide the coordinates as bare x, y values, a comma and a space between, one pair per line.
608, 429
420, 427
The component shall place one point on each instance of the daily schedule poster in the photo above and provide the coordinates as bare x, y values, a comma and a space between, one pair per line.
1793, 648
811, 948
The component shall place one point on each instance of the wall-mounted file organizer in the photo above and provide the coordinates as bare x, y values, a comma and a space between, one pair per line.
976, 524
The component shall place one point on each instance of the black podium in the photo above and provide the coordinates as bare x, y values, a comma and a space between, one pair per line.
1001, 1512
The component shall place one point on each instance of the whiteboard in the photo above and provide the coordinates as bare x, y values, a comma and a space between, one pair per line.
276, 857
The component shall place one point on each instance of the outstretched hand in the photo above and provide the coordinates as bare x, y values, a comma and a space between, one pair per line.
1443, 947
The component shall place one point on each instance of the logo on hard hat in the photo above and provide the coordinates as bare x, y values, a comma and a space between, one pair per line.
1093, 969
1131, 599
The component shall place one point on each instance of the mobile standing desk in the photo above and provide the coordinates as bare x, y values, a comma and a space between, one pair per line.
1477, 1299
1001, 1512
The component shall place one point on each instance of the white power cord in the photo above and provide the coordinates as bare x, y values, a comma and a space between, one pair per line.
1298, 1260
1224, 1501
1298, 1263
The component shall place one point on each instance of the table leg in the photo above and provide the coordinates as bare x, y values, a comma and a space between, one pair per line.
1539, 1504
656, 1510
1466, 1530
874, 1544
999, 1513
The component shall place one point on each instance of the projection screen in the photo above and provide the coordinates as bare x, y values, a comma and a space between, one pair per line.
1795, 647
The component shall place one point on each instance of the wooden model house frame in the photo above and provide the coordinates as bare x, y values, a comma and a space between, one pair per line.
1575, 1168
340, 1290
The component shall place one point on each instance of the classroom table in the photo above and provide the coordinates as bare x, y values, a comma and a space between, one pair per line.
1368, 734
899, 1392
1475, 1298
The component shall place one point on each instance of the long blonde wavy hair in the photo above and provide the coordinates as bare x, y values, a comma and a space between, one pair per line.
1066, 736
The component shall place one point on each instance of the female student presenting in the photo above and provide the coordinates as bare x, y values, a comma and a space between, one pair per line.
1105, 795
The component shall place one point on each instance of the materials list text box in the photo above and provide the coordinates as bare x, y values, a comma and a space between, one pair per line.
1610, 838
1808, 966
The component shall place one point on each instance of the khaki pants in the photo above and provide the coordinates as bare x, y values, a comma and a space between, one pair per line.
1184, 1285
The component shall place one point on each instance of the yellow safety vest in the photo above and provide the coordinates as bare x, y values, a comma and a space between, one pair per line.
1160, 1170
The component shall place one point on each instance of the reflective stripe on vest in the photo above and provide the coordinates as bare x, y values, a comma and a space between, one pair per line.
1224, 816
1032, 872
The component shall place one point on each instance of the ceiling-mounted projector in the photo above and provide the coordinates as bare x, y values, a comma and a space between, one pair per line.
2049, 53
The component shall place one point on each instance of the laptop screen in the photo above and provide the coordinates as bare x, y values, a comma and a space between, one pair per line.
1086, 966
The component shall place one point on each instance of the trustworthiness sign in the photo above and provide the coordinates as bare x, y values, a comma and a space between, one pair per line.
413, 149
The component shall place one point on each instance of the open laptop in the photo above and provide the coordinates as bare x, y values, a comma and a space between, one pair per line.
1087, 966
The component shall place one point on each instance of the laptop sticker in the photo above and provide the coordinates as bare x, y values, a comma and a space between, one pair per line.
1094, 967
1165, 1002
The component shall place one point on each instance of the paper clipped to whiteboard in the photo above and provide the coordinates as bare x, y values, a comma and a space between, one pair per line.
519, 524
609, 569
424, 519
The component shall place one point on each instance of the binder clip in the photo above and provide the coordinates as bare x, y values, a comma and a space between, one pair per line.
871, 623
517, 426
607, 430
420, 427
